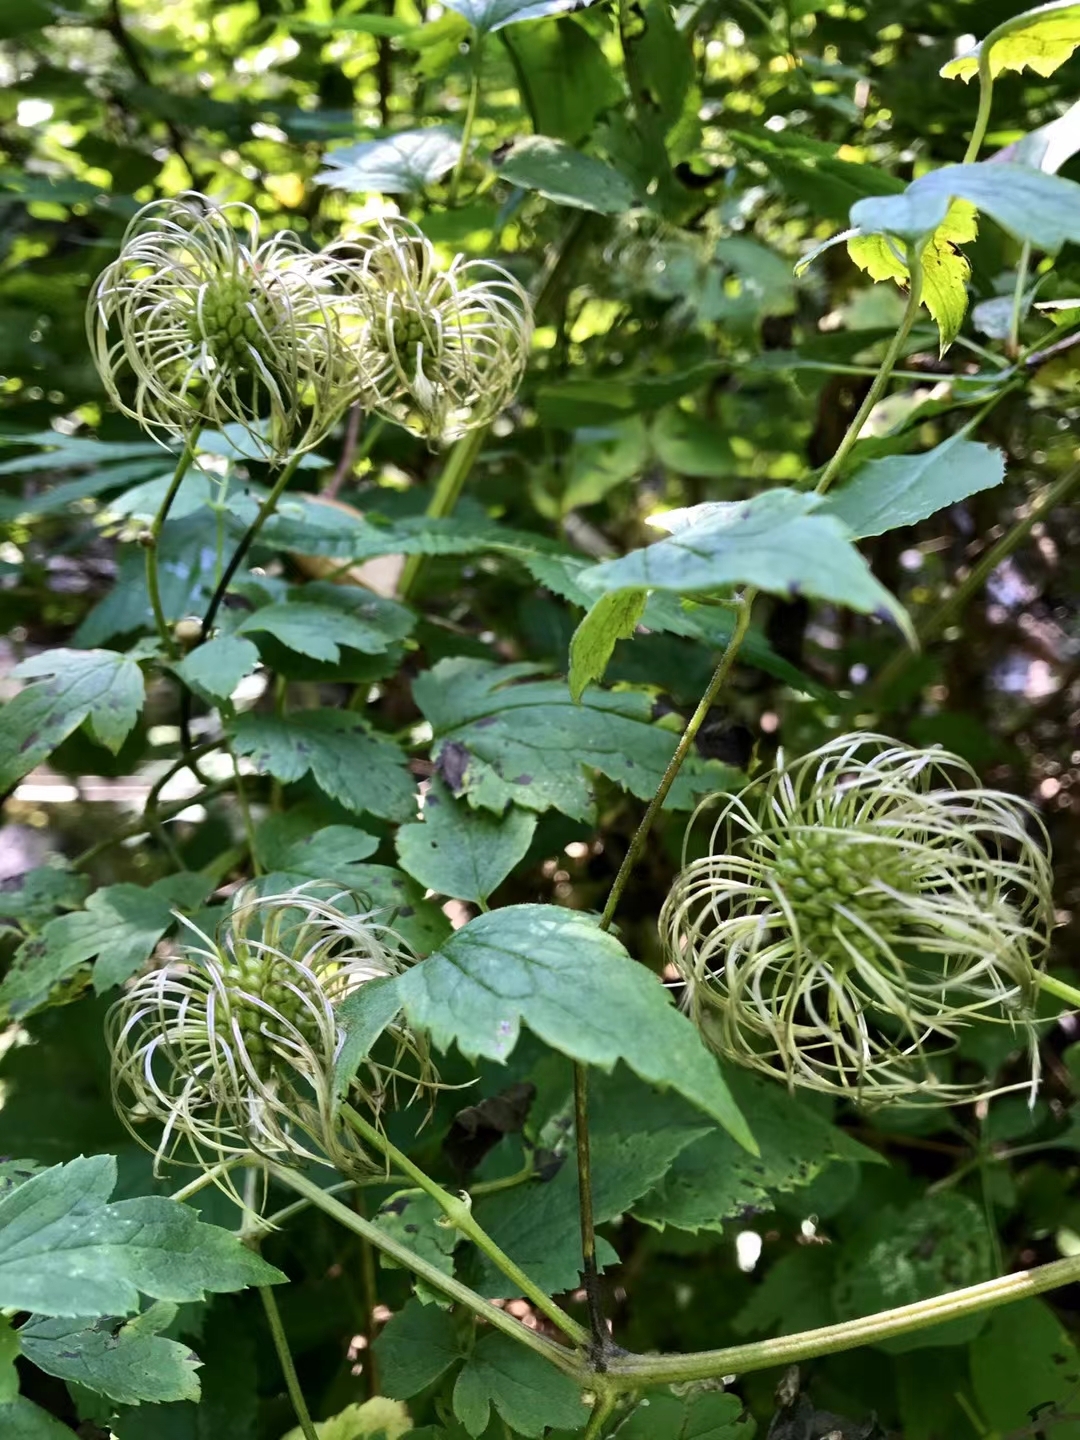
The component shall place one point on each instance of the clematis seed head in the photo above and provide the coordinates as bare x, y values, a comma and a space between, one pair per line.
854, 912
228, 1051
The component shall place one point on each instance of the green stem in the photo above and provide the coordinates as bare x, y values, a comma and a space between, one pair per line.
449, 487
281, 1345
245, 813
153, 585
470, 119
641, 1371
693, 725
977, 577
1061, 990
877, 389
438, 1279
266, 509
1016, 317
459, 1213
601, 1414
986, 96
589, 1271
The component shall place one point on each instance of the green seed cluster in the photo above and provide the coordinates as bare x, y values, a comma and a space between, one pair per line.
822, 873
402, 330
254, 977
228, 322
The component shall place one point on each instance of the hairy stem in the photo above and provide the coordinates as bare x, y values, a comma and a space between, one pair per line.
438, 1280
459, 1213
153, 584
447, 490
877, 389
266, 509
600, 1416
953, 605
640, 1371
288, 1369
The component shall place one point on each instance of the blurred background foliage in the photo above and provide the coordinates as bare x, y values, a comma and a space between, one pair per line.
677, 359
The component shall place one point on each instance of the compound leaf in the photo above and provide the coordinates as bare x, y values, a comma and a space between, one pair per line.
394, 165
555, 971
527, 1391
129, 1363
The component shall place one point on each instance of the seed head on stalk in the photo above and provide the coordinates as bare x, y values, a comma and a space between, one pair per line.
213, 324
442, 349
230, 1048
854, 911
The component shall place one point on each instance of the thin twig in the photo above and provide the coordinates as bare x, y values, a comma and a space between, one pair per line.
288, 1368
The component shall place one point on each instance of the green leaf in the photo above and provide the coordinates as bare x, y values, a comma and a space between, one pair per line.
316, 630
462, 852
612, 618
565, 175
1024, 1363
215, 669
500, 743
526, 1391
21, 1419
556, 972
904, 489
1030, 205
394, 165
16, 1172
362, 1017
120, 926
331, 852
65, 1251
1041, 39
129, 1363
400, 903
706, 1415
9, 1353
41, 892
793, 1295
70, 686
781, 541
375, 1419
418, 1345
563, 75
635, 1134
938, 1243
415, 1220
489, 15
1047, 148
812, 170
712, 1180
363, 771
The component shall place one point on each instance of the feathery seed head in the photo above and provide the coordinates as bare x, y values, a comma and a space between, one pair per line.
231, 1048
214, 325
855, 910
442, 350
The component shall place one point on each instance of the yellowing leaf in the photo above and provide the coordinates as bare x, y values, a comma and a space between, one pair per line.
945, 268
1041, 40
377, 1419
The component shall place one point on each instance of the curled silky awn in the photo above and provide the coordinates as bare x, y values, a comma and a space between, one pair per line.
854, 912
200, 322
228, 1052
442, 350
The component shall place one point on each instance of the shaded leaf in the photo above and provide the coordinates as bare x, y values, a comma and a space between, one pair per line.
361, 770
215, 669
705, 1415
527, 1391
68, 687
21, 1419
488, 15
418, 1345
316, 630
362, 1017
1025, 1364
462, 852
565, 175
65, 1251
904, 489
378, 1418
500, 743
556, 971
129, 1363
